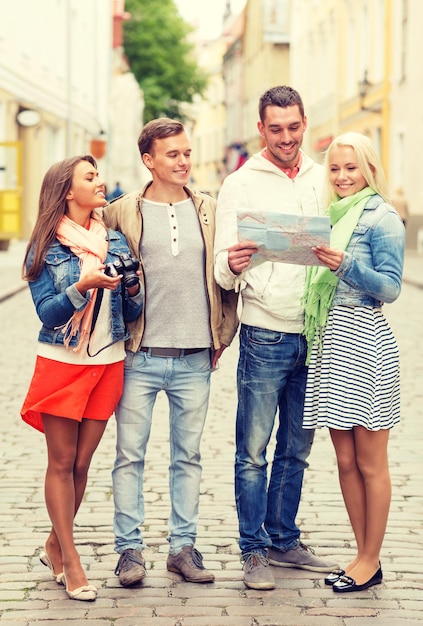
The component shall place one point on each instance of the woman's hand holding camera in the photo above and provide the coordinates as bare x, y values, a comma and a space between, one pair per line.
96, 278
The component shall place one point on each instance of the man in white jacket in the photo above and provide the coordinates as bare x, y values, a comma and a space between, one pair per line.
271, 374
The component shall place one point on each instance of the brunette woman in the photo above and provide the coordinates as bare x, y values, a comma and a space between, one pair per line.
78, 374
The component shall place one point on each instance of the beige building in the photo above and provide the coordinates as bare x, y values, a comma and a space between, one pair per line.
125, 102
206, 121
265, 47
54, 83
357, 66
338, 63
356, 63
251, 56
215, 120
406, 119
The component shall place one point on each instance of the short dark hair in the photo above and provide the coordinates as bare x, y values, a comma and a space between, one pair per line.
280, 96
158, 129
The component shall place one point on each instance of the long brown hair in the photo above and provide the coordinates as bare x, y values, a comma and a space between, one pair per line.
52, 207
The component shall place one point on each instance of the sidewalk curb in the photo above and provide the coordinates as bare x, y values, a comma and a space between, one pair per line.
413, 283
12, 292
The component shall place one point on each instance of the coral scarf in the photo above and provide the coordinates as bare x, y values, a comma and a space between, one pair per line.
90, 246
321, 282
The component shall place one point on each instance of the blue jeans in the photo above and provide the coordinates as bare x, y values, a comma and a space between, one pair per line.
271, 375
186, 382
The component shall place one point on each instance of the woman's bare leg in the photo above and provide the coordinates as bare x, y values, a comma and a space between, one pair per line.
352, 487
372, 460
70, 446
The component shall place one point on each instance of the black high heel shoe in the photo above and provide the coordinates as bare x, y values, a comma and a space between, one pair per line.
346, 584
334, 576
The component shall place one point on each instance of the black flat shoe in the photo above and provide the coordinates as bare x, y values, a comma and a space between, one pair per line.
334, 576
346, 583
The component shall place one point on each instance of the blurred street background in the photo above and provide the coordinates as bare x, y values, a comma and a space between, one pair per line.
78, 77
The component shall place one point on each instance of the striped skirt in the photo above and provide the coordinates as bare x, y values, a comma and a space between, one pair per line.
355, 380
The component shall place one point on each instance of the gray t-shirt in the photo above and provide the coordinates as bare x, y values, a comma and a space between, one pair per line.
176, 302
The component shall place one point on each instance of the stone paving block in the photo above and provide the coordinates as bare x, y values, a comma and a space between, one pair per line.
7, 596
360, 600
161, 621
183, 611
302, 620
32, 615
219, 601
63, 621
411, 605
221, 620
140, 615
387, 620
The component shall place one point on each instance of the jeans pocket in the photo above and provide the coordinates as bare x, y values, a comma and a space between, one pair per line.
135, 360
262, 336
198, 362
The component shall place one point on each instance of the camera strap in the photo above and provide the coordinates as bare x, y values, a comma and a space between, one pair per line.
97, 305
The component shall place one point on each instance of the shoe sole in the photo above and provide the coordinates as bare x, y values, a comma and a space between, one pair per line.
45, 560
129, 582
260, 586
357, 588
310, 568
209, 579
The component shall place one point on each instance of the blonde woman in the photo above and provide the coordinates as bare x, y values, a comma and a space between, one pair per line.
353, 380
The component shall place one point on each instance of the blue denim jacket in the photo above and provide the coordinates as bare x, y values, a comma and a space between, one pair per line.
371, 272
56, 297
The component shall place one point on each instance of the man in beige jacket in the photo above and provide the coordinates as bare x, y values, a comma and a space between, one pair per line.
187, 322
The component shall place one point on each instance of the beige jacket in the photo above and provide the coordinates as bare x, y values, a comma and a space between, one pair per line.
125, 215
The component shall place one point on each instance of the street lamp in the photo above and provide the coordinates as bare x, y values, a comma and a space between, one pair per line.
28, 117
363, 87
98, 145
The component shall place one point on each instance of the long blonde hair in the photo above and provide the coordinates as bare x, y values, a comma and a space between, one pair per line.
368, 162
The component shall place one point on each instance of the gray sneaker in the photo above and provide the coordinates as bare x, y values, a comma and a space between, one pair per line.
130, 568
257, 573
189, 563
302, 557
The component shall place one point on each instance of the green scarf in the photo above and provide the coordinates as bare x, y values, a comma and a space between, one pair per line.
321, 282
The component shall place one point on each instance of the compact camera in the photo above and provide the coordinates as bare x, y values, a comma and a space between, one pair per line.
126, 266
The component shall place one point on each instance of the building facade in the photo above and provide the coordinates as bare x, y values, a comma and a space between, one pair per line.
357, 66
54, 84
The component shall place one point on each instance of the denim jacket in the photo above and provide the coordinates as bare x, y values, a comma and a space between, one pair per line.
56, 297
371, 271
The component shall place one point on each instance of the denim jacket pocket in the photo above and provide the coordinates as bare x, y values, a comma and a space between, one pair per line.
57, 263
360, 229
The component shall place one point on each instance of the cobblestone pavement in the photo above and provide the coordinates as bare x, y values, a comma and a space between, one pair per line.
28, 595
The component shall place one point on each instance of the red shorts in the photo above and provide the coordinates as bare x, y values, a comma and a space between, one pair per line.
72, 391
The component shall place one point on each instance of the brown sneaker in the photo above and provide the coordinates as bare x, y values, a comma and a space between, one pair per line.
130, 568
189, 563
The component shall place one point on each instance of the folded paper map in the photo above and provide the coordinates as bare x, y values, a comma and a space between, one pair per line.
282, 237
